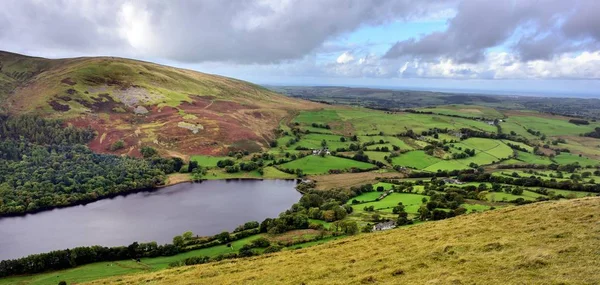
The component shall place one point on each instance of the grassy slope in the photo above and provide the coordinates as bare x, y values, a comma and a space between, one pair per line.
542, 243
231, 113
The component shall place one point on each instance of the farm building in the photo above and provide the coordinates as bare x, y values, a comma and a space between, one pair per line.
384, 226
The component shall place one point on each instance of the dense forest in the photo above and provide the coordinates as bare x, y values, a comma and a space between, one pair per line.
44, 164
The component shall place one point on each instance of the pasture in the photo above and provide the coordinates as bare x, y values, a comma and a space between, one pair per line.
411, 202
314, 164
417, 159
552, 125
531, 158
465, 111
568, 158
362, 121
207, 161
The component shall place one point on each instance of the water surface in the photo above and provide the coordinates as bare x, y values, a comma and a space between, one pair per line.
205, 208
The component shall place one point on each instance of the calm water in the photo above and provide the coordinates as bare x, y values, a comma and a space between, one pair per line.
205, 208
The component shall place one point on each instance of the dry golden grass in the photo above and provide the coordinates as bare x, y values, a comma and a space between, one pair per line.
346, 180
176, 178
543, 243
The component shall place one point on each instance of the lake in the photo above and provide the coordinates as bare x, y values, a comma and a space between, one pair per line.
205, 208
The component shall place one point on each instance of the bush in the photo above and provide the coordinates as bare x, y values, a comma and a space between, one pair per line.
117, 145
260, 242
273, 248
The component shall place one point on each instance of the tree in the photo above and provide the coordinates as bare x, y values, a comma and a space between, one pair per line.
223, 237
260, 242
188, 235
192, 165
376, 217
198, 173
178, 241
424, 213
148, 151
398, 209
349, 227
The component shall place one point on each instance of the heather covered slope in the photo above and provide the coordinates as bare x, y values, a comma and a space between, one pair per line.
541, 243
143, 103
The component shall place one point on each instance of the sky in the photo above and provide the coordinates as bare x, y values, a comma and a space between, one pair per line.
538, 47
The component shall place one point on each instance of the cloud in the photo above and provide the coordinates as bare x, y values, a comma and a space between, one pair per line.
483, 39
238, 31
345, 57
495, 65
542, 30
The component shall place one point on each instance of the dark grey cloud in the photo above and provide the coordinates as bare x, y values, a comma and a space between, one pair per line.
585, 21
543, 28
237, 31
68, 25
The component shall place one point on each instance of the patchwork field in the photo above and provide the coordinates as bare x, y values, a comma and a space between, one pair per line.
207, 161
552, 126
411, 202
314, 164
362, 122
532, 158
465, 111
567, 158
415, 159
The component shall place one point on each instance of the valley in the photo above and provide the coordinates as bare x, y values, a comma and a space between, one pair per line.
81, 133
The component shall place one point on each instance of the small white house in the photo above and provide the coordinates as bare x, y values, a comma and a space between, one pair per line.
384, 226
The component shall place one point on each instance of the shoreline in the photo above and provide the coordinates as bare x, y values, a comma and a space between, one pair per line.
135, 191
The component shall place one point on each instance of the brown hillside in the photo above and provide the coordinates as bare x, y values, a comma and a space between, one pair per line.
143, 103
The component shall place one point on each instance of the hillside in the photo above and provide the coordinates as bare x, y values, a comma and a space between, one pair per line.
142, 103
541, 243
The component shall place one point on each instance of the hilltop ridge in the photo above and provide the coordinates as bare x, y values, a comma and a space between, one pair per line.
142, 103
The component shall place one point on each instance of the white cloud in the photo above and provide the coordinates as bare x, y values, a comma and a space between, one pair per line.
344, 58
498, 65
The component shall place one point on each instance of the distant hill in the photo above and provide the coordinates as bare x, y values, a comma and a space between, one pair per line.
175, 110
394, 99
542, 243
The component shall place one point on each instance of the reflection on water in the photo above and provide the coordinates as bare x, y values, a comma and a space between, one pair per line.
205, 208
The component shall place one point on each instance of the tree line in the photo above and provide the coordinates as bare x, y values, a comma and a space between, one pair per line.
44, 165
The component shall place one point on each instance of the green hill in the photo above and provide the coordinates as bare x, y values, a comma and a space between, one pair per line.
541, 243
142, 103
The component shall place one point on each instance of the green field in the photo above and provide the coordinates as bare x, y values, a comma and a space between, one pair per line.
391, 141
369, 196
568, 158
411, 202
208, 161
377, 155
365, 121
314, 164
532, 158
465, 111
415, 159
274, 173
106, 269
527, 147
448, 165
552, 126
314, 141
501, 196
